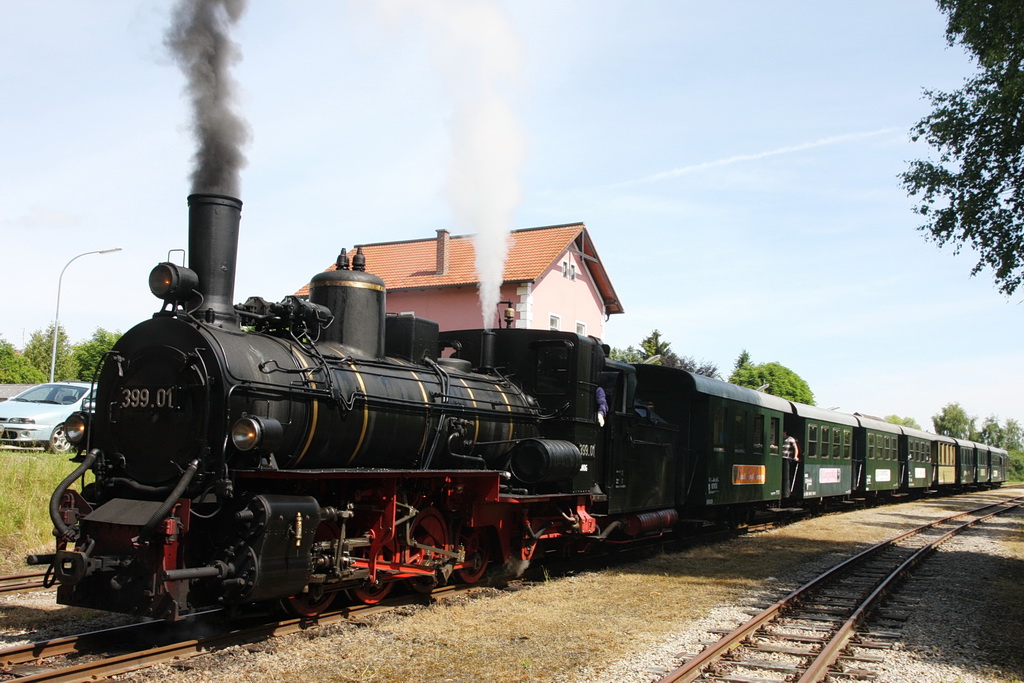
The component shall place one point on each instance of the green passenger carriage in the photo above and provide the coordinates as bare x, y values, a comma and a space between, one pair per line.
944, 452
917, 469
825, 438
999, 467
966, 463
728, 443
876, 456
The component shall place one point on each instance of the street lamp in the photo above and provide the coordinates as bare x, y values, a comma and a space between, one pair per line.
56, 315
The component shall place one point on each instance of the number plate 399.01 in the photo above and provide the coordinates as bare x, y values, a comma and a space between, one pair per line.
149, 397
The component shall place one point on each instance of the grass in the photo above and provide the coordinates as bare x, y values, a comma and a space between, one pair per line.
27, 480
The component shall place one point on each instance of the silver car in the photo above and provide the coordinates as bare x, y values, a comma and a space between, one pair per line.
36, 416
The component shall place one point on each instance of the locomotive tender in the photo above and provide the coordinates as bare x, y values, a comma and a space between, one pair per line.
290, 452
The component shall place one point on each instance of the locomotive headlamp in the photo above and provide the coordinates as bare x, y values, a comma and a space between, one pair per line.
172, 283
76, 427
252, 432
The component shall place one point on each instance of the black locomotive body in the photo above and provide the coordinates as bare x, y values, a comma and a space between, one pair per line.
288, 453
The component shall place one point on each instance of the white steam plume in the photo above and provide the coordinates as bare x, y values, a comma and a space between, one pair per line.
480, 56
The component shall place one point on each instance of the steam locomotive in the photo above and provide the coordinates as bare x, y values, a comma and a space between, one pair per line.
288, 453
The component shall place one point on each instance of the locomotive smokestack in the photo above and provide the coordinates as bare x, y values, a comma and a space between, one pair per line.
212, 252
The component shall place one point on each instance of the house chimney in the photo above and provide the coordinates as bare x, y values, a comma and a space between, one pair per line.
443, 239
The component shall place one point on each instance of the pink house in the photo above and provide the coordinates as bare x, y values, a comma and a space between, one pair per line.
553, 279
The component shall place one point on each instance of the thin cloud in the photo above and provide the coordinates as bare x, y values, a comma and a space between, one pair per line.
824, 142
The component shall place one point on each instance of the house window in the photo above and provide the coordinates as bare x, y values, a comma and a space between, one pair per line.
565, 269
554, 323
572, 271
581, 329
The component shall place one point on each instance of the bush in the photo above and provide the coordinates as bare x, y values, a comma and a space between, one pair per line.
1016, 472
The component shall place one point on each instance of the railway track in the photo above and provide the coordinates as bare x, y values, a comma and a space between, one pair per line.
804, 636
88, 654
21, 582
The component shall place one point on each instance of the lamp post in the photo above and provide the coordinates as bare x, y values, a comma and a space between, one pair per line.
56, 315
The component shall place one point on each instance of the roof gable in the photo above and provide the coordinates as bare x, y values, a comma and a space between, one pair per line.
413, 264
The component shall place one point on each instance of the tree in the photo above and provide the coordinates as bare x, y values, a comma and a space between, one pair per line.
954, 421
742, 359
15, 368
628, 355
1013, 436
904, 421
89, 354
780, 381
992, 432
38, 352
656, 351
698, 367
974, 193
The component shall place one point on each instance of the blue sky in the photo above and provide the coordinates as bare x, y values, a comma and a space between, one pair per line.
735, 162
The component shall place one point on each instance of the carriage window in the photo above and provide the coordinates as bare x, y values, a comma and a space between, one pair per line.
871, 446
826, 434
740, 432
847, 443
774, 436
888, 448
837, 443
812, 441
718, 428
759, 433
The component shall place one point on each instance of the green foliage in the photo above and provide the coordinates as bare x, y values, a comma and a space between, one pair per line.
39, 349
89, 354
904, 421
1016, 472
974, 192
74, 361
656, 351
954, 421
15, 368
991, 432
1013, 436
656, 348
742, 359
627, 355
781, 381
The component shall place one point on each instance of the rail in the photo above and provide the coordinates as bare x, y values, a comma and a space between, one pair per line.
815, 665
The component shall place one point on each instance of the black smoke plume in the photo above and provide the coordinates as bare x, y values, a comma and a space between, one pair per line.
198, 40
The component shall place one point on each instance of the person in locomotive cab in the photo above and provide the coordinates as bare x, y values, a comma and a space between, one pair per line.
602, 405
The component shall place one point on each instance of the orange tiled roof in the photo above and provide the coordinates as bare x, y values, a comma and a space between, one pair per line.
413, 264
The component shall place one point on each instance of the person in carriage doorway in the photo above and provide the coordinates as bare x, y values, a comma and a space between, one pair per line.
790, 448
790, 464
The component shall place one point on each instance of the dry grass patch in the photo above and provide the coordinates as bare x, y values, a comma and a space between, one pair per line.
549, 632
